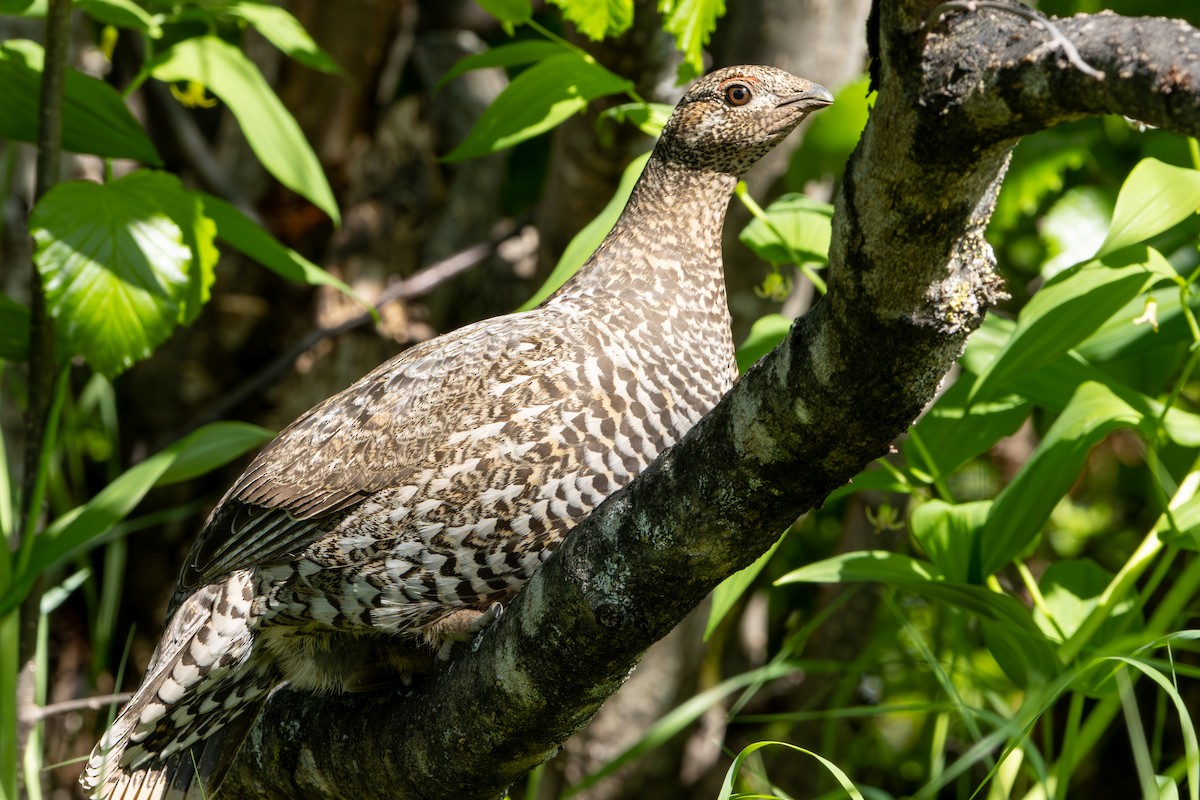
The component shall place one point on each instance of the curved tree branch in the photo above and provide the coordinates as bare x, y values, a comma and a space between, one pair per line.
911, 277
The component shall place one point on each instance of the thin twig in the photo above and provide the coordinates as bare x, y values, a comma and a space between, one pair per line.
1037, 18
421, 283
39, 713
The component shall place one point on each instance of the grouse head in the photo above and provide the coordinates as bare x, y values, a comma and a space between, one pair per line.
730, 118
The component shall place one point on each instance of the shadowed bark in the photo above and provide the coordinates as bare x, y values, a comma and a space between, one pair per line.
911, 277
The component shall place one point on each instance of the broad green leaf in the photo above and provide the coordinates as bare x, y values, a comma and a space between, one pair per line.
270, 128
872, 479
597, 19
946, 533
909, 574
18, 6
537, 100
1022, 508
505, 55
796, 228
691, 22
510, 12
952, 433
843, 780
1187, 521
115, 268
649, 118
1068, 309
186, 210
1072, 590
122, 14
95, 119
1054, 385
732, 588
765, 335
1074, 226
218, 447
587, 240
14, 330
242, 234
1155, 197
71, 533
284, 31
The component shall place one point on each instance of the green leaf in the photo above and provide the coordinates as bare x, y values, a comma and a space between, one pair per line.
730, 590
649, 118
270, 129
1155, 197
796, 227
81, 527
1074, 226
537, 100
122, 14
587, 240
14, 330
95, 119
1039, 164
115, 269
1038, 658
1186, 530
1022, 508
510, 12
843, 780
952, 433
831, 136
20, 6
505, 55
946, 532
597, 19
223, 443
691, 22
242, 234
284, 31
187, 211
765, 335
1069, 308
872, 479
1072, 591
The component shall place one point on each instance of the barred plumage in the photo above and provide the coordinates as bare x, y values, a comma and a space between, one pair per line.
389, 521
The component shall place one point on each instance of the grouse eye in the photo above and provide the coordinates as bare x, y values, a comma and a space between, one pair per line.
737, 94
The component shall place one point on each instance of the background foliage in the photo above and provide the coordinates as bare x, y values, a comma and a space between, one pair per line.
1004, 607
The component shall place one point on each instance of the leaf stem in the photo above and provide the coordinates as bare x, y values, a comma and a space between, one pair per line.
756, 210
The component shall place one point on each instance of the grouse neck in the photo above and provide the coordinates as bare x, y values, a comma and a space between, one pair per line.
667, 241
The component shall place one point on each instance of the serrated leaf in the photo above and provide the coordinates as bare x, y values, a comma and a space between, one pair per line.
242, 234
14, 330
115, 269
505, 55
95, 119
796, 228
510, 12
537, 100
281, 29
1155, 197
270, 128
1021, 509
584, 243
691, 22
1068, 309
122, 14
597, 19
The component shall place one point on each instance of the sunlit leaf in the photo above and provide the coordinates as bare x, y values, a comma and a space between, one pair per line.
115, 268
730, 590
597, 19
946, 532
649, 118
831, 136
122, 14
505, 55
1074, 226
1155, 197
270, 128
587, 240
1072, 590
510, 12
1067, 310
765, 335
536, 101
281, 29
691, 22
731, 774
95, 119
796, 228
1022, 508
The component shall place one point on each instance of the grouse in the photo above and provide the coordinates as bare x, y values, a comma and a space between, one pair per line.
395, 518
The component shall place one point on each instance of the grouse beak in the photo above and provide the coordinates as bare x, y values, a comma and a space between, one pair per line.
816, 96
